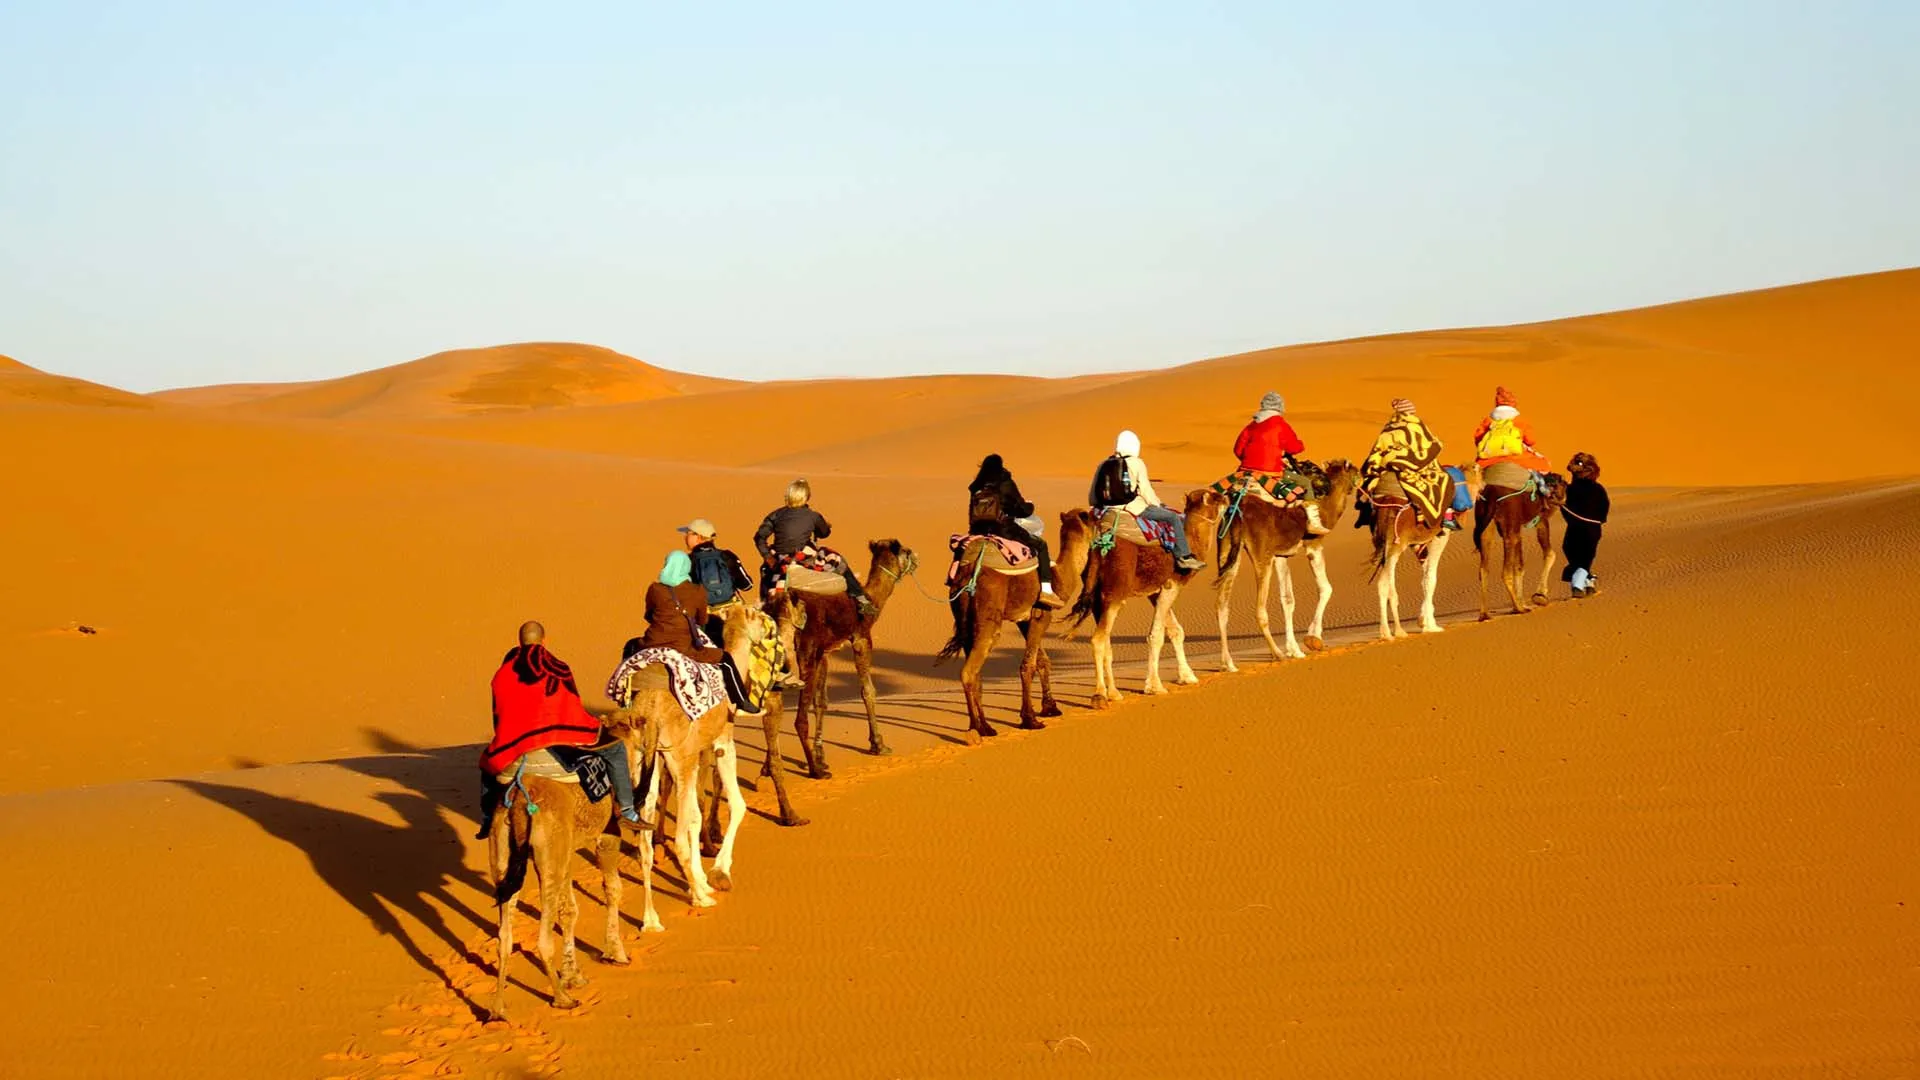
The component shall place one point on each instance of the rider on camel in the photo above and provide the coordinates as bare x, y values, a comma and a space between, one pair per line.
995, 507
1141, 500
1406, 457
536, 706
792, 534
1503, 437
1266, 449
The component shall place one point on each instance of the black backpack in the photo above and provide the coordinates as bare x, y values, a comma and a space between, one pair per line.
711, 572
985, 505
1112, 484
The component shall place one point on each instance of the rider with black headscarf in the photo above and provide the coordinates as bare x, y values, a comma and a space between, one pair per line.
995, 507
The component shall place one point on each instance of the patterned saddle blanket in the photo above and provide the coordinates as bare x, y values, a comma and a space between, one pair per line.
995, 553
699, 688
1122, 526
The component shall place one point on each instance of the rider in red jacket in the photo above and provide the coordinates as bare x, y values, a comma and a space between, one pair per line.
1266, 447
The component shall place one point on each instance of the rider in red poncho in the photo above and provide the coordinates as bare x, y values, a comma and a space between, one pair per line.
1266, 448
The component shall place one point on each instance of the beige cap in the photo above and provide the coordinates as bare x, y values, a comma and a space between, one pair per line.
700, 527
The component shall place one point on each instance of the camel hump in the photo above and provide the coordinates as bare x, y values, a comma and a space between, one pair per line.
1508, 476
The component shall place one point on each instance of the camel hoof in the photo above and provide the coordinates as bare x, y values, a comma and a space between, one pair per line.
1399, 634
1433, 629
1486, 616
1314, 644
879, 749
1050, 708
705, 901
1033, 724
615, 958
988, 731
1188, 679
1230, 667
1155, 689
720, 880
971, 736
574, 981
564, 1000
652, 925
820, 772
793, 821
1540, 600
1098, 702
497, 1008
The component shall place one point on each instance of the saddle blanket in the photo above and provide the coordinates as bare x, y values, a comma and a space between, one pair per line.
995, 553
1280, 489
1510, 476
699, 688
1136, 530
567, 765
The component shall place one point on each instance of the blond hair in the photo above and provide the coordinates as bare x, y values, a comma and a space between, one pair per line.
798, 493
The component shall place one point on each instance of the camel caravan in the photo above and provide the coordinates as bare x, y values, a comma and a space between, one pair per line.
717, 648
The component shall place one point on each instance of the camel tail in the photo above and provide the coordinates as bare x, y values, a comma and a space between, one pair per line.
1090, 603
1230, 546
1379, 560
965, 623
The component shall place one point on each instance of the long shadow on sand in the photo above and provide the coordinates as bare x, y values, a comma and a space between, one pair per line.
384, 871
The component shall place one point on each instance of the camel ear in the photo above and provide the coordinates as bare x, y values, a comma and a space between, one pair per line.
875, 546
893, 546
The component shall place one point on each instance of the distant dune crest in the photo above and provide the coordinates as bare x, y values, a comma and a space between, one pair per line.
504, 378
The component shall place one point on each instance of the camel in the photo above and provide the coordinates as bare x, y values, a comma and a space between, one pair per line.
824, 624
993, 599
1396, 528
1127, 570
1268, 532
1511, 512
658, 732
547, 838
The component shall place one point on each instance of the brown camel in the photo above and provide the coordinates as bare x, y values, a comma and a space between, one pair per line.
991, 600
547, 839
1512, 511
1126, 570
1396, 528
825, 623
1265, 532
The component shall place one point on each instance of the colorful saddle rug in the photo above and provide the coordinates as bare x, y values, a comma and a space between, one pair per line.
699, 688
1281, 489
973, 553
1118, 525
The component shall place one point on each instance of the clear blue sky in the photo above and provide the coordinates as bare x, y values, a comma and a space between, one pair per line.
200, 192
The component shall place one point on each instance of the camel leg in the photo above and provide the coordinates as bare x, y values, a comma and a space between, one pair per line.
1431, 576
710, 810
1104, 689
1544, 533
863, 666
1223, 597
1038, 643
1156, 643
1513, 568
650, 809
607, 856
970, 668
509, 865
1390, 597
1283, 569
686, 831
1177, 634
552, 855
807, 715
726, 765
820, 706
770, 722
1316, 633
1030, 662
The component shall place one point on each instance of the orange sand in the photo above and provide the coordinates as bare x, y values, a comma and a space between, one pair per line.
1664, 832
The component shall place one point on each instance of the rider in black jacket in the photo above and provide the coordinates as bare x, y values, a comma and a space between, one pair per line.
994, 505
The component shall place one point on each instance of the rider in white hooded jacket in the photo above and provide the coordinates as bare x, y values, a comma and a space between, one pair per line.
1146, 502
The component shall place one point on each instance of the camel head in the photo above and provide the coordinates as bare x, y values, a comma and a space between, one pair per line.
1343, 479
1584, 466
1555, 495
1073, 553
1203, 522
1475, 479
893, 557
742, 627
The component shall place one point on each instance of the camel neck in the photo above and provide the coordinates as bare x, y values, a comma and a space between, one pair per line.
879, 585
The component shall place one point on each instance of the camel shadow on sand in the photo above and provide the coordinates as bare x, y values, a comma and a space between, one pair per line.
386, 872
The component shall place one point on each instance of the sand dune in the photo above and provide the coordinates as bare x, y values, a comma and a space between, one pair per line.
506, 377
1663, 832
21, 384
